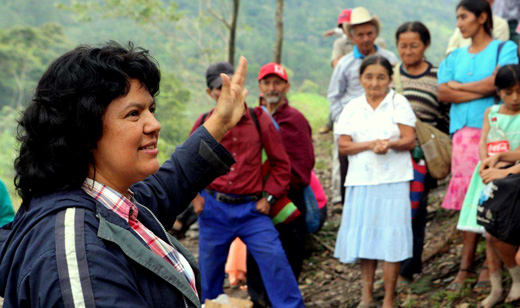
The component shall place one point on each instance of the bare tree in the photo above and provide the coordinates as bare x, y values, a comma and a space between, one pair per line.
279, 32
230, 24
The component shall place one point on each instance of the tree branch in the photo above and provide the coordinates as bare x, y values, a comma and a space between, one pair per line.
216, 15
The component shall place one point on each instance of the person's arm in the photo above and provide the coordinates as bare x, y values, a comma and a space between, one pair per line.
485, 87
492, 174
348, 147
482, 146
507, 157
297, 140
449, 95
337, 89
406, 141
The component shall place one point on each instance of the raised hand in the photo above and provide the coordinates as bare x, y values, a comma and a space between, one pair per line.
230, 106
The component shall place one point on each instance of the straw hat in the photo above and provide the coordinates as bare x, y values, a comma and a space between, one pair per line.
361, 15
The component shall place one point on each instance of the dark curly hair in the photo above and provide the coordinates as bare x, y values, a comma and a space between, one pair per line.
60, 128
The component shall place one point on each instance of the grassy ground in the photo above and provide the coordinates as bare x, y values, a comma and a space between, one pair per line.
313, 106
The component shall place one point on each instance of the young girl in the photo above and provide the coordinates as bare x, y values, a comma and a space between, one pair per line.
505, 118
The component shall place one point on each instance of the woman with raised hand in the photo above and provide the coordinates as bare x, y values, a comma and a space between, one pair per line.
91, 228
416, 79
377, 133
466, 80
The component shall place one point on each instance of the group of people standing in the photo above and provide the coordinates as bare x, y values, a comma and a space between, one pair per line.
375, 100
90, 231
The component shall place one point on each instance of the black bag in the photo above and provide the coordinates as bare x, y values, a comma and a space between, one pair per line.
499, 209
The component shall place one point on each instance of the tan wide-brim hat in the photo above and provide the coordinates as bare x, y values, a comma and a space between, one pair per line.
361, 15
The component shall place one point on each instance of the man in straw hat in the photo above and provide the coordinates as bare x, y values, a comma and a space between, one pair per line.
362, 30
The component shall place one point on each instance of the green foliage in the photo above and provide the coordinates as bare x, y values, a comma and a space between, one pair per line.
142, 11
24, 54
313, 106
171, 104
9, 146
309, 86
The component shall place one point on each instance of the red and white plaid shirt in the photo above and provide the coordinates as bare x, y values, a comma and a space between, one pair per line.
127, 210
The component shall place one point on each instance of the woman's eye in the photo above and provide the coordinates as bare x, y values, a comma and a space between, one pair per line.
153, 109
134, 113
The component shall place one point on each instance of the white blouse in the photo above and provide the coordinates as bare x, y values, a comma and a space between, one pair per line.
362, 123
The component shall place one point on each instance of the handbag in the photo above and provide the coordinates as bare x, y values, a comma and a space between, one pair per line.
499, 209
436, 145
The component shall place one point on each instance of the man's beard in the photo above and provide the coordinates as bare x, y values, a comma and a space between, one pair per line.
272, 97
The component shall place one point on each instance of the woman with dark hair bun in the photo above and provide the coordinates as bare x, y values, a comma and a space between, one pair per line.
377, 133
95, 202
466, 80
416, 79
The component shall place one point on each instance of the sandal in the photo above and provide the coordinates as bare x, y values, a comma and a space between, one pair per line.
458, 286
484, 286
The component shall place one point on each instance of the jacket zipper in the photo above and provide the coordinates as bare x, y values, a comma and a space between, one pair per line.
167, 237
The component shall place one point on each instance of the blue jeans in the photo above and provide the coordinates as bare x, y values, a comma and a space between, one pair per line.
220, 223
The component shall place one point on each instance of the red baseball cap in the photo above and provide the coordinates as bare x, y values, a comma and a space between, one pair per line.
275, 69
344, 16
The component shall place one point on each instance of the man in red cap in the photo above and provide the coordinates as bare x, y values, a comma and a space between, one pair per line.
296, 135
237, 204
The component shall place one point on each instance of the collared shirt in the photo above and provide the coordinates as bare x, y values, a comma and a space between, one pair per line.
245, 142
344, 83
462, 66
296, 136
500, 32
128, 211
359, 121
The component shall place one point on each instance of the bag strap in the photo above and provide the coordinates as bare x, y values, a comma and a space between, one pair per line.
397, 79
204, 116
500, 46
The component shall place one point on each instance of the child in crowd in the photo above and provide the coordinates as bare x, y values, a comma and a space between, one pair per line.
502, 117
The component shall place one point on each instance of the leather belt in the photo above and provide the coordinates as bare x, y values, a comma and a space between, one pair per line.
232, 199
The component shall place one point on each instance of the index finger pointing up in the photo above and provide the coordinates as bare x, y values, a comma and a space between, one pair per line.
239, 77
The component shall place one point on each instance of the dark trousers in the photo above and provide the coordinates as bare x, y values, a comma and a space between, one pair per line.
413, 265
292, 236
343, 165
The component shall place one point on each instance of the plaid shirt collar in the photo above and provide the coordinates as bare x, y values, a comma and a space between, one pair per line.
112, 200
127, 210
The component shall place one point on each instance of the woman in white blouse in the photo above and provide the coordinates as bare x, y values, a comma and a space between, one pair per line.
377, 133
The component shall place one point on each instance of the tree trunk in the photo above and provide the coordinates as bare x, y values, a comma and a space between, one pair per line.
232, 33
279, 32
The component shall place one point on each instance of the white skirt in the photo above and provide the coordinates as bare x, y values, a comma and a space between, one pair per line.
376, 224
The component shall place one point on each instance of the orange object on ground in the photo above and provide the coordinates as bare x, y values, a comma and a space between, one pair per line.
236, 263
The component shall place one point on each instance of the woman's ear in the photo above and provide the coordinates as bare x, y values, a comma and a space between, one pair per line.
483, 18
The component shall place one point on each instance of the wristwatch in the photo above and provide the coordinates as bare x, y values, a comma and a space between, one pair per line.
270, 198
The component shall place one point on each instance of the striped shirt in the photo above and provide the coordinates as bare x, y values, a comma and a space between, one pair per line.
128, 211
421, 92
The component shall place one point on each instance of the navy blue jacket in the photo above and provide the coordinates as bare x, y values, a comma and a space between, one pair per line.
68, 250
